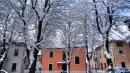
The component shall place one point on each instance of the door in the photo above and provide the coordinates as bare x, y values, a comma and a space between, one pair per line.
101, 66
64, 67
123, 64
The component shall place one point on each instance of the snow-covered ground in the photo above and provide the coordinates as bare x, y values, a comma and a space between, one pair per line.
98, 71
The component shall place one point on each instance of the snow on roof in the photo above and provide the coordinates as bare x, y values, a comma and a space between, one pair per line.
120, 34
128, 38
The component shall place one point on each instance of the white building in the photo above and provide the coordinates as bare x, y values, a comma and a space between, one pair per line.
17, 60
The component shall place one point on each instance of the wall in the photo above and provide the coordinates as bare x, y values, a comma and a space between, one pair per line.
57, 57
78, 67
14, 59
117, 58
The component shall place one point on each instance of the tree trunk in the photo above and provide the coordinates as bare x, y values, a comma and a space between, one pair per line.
108, 60
95, 68
89, 65
68, 68
1, 65
88, 57
2, 62
86, 66
69, 49
3, 51
68, 62
33, 66
89, 68
4, 55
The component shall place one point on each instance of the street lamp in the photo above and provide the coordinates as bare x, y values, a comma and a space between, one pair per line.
127, 22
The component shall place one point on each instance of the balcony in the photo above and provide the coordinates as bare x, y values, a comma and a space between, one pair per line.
63, 62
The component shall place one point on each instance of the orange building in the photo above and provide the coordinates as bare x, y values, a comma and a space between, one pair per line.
55, 60
120, 55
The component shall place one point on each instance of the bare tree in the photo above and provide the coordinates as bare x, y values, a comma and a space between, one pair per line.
8, 33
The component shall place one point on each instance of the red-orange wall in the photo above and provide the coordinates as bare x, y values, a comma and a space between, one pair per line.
57, 57
82, 65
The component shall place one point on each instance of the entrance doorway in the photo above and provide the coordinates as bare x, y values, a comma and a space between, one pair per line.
123, 64
101, 66
64, 67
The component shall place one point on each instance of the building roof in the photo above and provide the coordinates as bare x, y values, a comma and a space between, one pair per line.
101, 46
14, 43
63, 48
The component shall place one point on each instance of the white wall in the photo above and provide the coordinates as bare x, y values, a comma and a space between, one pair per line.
15, 59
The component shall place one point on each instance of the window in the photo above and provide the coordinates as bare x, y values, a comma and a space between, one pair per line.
51, 54
50, 67
100, 55
14, 66
77, 60
129, 44
64, 56
16, 52
25, 59
120, 51
119, 44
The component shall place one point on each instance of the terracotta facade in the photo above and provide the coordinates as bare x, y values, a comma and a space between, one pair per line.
120, 55
56, 58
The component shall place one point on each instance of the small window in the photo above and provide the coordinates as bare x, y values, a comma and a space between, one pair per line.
16, 52
51, 54
64, 56
119, 44
100, 55
25, 59
50, 67
129, 44
14, 66
77, 60
120, 51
